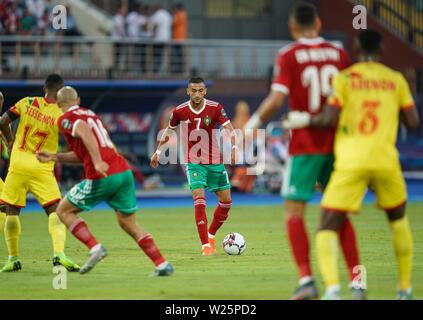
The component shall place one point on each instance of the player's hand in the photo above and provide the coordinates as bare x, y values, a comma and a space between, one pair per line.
102, 167
154, 163
44, 156
296, 120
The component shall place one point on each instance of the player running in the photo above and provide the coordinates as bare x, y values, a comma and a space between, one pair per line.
304, 71
198, 118
368, 100
108, 178
37, 131
2, 206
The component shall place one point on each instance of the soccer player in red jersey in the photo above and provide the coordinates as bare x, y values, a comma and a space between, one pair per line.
304, 71
108, 178
198, 119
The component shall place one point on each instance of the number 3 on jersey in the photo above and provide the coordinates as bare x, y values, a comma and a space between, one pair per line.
319, 84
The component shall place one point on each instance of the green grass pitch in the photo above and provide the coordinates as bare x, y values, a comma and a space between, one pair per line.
265, 271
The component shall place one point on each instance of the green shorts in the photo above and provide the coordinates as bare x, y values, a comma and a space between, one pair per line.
117, 190
213, 176
302, 173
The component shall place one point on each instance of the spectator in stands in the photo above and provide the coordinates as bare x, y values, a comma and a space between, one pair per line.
118, 34
179, 34
28, 23
134, 22
36, 7
146, 25
161, 21
71, 28
11, 19
43, 24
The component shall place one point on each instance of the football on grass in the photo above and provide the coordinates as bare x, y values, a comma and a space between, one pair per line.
234, 244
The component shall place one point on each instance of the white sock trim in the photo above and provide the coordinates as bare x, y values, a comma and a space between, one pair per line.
162, 266
95, 248
305, 280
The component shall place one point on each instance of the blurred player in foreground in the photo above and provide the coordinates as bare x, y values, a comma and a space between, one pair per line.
304, 71
108, 178
198, 118
369, 99
37, 131
2, 206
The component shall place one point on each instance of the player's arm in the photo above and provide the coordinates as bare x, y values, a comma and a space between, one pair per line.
408, 112
154, 163
268, 108
410, 118
328, 118
69, 157
83, 132
5, 122
1, 101
232, 134
280, 90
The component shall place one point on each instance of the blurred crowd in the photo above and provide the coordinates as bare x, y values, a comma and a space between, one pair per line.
146, 22
153, 23
33, 17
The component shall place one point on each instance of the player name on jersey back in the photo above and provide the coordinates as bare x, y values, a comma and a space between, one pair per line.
317, 55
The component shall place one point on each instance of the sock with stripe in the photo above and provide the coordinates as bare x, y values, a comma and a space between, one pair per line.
2, 222
12, 231
57, 232
80, 230
327, 256
403, 248
147, 245
201, 220
220, 216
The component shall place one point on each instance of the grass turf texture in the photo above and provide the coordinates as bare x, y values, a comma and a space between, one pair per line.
265, 271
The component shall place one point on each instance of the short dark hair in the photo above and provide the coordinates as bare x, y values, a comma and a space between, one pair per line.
304, 14
370, 41
54, 82
196, 80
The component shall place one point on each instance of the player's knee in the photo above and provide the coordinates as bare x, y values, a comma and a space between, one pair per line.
294, 209
397, 213
331, 220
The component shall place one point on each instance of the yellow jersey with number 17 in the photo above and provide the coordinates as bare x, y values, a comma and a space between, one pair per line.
371, 97
37, 131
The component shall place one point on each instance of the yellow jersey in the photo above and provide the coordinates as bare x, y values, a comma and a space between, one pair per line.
37, 131
370, 96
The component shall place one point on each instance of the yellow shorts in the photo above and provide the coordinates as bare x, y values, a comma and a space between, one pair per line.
42, 185
347, 188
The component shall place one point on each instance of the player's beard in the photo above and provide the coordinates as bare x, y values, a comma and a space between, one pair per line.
195, 104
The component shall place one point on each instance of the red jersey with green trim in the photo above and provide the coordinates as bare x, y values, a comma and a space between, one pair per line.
67, 125
304, 71
199, 129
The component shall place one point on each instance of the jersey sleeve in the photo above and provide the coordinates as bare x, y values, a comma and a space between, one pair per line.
222, 117
174, 120
337, 98
17, 110
406, 100
67, 124
345, 60
282, 80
